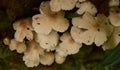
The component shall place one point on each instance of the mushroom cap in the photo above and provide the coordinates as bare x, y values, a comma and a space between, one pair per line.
60, 24
41, 24
68, 46
57, 5
114, 17
6, 41
32, 54
113, 40
48, 42
95, 29
82, 37
114, 3
86, 7
34, 45
59, 59
44, 24
20, 47
13, 44
45, 8
31, 58
23, 29
47, 58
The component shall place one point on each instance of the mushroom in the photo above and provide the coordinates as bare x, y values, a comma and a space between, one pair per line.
20, 47
114, 16
86, 7
59, 58
114, 3
57, 5
89, 29
48, 42
32, 54
68, 46
23, 29
47, 58
6, 41
46, 22
113, 40
45, 8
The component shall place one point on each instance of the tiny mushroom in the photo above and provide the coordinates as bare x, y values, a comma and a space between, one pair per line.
48, 42
47, 58
68, 46
114, 16
57, 5
114, 39
32, 55
86, 7
89, 29
114, 2
47, 21
6, 41
59, 58
20, 47
23, 29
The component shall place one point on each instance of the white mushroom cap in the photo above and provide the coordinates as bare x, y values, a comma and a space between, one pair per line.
113, 40
20, 47
91, 29
32, 55
40, 24
114, 3
43, 24
59, 59
68, 46
81, 37
47, 58
86, 7
57, 5
23, 29
114, 17
48, 42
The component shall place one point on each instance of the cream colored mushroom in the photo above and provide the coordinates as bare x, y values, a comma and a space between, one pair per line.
6, 41
68, 46
91, 29
114, 3
57, 5
113, 40
86, 7
47, 21
23, 29
20, 47
48, 42
45, 8
59, 58
114, 16
47, 58
32, 55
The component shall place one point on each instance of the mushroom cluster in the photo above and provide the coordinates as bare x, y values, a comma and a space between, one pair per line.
49, 37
